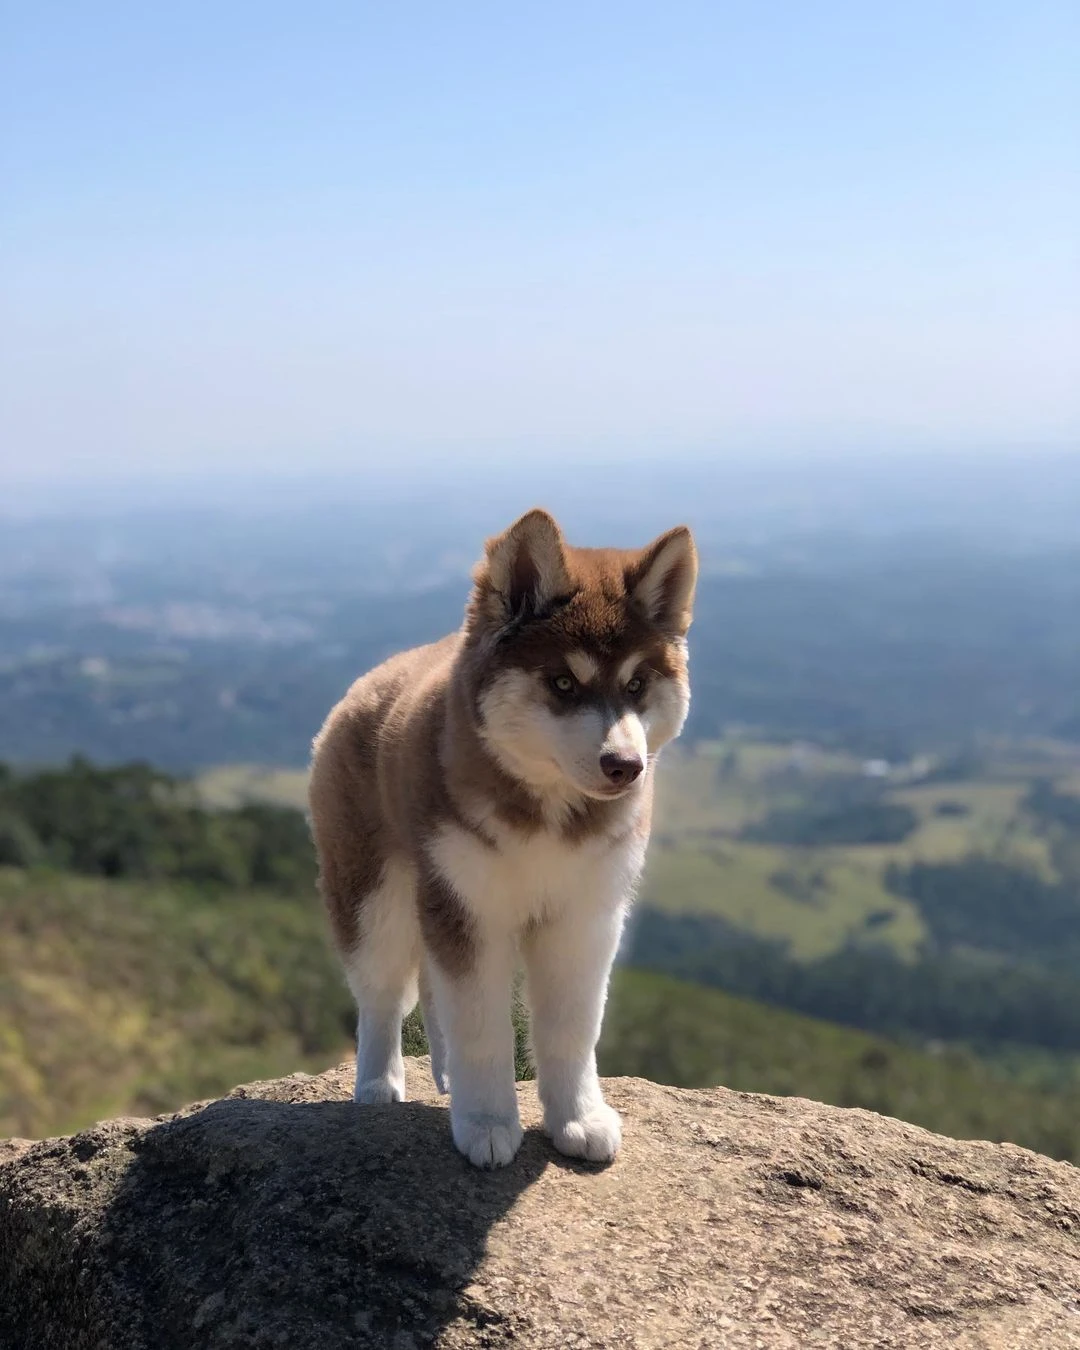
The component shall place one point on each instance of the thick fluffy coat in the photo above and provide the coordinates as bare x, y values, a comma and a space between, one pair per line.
485, 801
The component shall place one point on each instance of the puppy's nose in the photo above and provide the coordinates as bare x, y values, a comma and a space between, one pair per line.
620, 770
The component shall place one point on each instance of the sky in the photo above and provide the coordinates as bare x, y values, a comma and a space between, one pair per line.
241, 239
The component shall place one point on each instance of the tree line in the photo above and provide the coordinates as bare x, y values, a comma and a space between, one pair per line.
134, 821
949, 996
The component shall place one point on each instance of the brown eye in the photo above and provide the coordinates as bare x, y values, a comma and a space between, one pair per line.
564, 684
635, 686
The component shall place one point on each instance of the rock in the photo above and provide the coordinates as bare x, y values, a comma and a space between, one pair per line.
11, 1148
286, 1216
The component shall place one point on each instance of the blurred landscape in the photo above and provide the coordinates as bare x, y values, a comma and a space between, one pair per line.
864, 883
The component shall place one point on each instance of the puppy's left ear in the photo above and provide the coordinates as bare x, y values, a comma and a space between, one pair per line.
524, 569
662, 581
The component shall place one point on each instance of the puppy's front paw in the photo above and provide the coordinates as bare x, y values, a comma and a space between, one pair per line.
377, 1091
595, 1136
487, 1141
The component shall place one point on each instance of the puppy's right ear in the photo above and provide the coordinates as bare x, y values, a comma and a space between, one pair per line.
523, 570
662, 581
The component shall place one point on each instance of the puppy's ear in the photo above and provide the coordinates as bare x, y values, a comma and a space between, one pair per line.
662, 581
524, 568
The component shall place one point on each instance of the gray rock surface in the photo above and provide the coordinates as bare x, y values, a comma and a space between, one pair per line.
285, 1216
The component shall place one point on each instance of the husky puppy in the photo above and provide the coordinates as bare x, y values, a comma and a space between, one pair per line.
486, 800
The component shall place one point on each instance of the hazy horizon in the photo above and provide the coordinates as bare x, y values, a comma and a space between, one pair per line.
962, 500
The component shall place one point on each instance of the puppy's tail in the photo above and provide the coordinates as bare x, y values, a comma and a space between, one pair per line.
435, 1039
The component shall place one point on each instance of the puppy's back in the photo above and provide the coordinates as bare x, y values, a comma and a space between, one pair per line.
374, 743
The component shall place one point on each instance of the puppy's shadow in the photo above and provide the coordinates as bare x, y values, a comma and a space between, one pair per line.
258, 1223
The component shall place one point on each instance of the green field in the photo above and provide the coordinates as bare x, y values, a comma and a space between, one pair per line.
817, 906
819, 897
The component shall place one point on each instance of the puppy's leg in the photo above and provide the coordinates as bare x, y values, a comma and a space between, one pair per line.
567, 965
382, 973
471, 973
435, 1038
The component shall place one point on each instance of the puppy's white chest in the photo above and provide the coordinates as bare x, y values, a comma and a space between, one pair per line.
528, 877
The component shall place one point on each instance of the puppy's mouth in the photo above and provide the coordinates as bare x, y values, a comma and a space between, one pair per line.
609, 791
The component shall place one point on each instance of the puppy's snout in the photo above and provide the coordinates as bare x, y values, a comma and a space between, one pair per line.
621, 770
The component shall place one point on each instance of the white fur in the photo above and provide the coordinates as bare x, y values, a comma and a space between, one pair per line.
564, 905
559, 753
532, 878
382, 974
629, 668
584, 666
567, 967
665, 713
474, 1015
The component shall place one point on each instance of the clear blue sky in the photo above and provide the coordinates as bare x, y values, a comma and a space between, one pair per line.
235, 235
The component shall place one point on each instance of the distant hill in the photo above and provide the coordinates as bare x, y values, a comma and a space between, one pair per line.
886, 647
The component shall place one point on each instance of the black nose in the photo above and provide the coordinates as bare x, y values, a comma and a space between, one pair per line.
620, 771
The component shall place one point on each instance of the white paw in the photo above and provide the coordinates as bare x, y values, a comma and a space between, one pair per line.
595, 1136
487, 1141
377, 1091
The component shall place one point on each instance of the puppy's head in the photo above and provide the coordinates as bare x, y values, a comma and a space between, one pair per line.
580, 655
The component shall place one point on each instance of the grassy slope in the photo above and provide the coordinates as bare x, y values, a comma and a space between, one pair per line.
123, 997
678, 1033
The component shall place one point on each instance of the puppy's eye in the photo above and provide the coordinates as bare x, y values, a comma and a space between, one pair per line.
563, 684
636, 686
